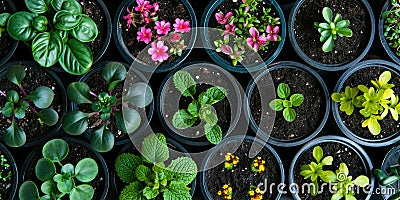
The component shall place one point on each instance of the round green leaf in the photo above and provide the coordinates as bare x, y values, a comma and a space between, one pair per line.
37, 6
289, 114
12, 96
86, 31
297, 99
327, 14
40, 23
68, 169
47, 48
28, 191
55, 150
77, 57
154, 150
139, 94
64, 20
385, 77
48, 116
75, 122
213, 133
72, 6
114, 73
14, 136
82, 192
3, 19
48, 187
79, 92
86, 170
102, 140
66, 186
283, 91
276, 104
19, 26
42, 97
374, 127
58, 178
128, 120
45, 169
16, 74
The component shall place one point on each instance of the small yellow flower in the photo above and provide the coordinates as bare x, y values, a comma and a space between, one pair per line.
230, 161
219, 193
227, 192
258, 165
225, 186
255, 193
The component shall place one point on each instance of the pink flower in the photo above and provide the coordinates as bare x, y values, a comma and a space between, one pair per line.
175, 37
181, 26
226, 49
143, 6
230, 29
221, 19
272, 32
129, 18
256, 40
158, 51
156, 7
162, 27
144, 35
247, 8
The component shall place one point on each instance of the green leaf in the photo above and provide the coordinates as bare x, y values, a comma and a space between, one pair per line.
183, 119
289, 114
82, 192
45, 169
327, 160
139, 94
283, 90
325, 35
343, 168
19, 26
3, 19
349, 197
177, 191
37, 6
14, 136
125, 165
16, 74
328, 45
56, 4
76, 58
184, 168
75, 122
297, 99
86, 170
318, 153
86, 31
102, 140
184, 83
72, 6
114, 73
193, 109
337, 196
42, 97
132, 192
374, 127
208, 115
68, 169
142, 173
40, 23
361, 181
346, 32
213, 133
48, 117
12, 96
215, 94
55, 150
48, 187
58, 178
28, 191
327, 14
338, 17
153, 150
150, 193
66, 186
128, 120
19, 113
79, 92
342, 24
328, 176
65, 20
324, 26
8, 109
385, 77
47, 48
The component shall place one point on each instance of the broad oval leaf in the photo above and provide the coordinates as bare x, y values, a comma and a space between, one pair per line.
213, 133
48, 187
79, 92
283, 90
75, 122
328, 45
177, 191
374, 127
184, 83
66, 186
86, 170
16, 74
47, 48
12, 96
114, 73
342, 24
125, 164
289, 114
215, 94
185, 169
28, 191
77, 57
19, 26
318, 153
45, 169
82, 192
37, 6
40, 23
56, 4
14, 136
55, 150
48, 116
182, 119
153, 150
86, 31
297, 99
72, 6
139, 94
68, 169
4, 18
328, 176
361, 181
128, 120
276, 105
385, 77
64, 20
42, 97
327, 14
102, 140
346, 32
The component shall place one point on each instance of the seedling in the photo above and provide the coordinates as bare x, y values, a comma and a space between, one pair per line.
56, 31
4, 163
148, 176
374, 103
331, 28
392, 26
108, 107
66, 182
200, 108
286, 104
18, 103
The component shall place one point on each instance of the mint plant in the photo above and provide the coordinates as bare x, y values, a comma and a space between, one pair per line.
107, 107
67, 182
287, 102
200, 109
392, 26
56, 31
150, 178
17, 103
332, 28
374, 103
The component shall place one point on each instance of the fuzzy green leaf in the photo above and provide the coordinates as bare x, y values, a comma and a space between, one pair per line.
208, 115
150, 193
184, 168
177, 191
215, 94
193, 109
142, 173
183, 119
213, 133
132, 192
125, 165
154, 150
184, 83
3, 19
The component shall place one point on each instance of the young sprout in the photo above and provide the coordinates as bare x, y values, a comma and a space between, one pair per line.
255, 193
391, 26
226, 193
258, 165
286, 104
231, 161
331, 28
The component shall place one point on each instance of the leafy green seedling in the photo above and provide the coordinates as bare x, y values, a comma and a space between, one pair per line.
391, 26
200, 108
375, 103
4, 163
66, 182
16, 106
286, 104
332, 28
56, 31
148, 176
314, 170
107, 107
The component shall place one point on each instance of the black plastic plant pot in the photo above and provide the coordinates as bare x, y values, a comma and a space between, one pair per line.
118, 185
8, 189
214, 175
77, 151
342, 150
384, 42
350, 125
100, 85
347, 52
258, 60
36, 133
173, 61
391, 159
205, 75
311, 115
8, 44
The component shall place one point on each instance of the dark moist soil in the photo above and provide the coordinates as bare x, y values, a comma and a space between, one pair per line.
346, 49
251, 57
76, 153
169, 11
6, 186
222, 108
308, 115
341, 154
6, 41
97, 84
94, 11
353, 122
241, 177
34, 78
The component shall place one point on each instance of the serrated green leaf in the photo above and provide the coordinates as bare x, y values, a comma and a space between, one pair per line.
102, 140
86, 170
289, 114
125, 165
184, 168
184, 83
150, 193
45, 169
79, 92
177, 191
142, 173
154, 150
215, 94
193, 109
207, 114
283, 90
213, 133
183, 119
16, 74
132, 192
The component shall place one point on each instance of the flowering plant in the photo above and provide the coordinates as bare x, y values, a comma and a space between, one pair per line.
248, 28
156, 31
